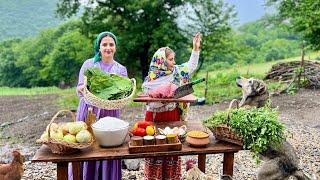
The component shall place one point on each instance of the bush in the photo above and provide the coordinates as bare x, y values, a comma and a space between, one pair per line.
217, 66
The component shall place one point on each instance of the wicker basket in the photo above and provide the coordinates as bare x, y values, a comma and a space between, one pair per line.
107, 104
224, 132
62, 147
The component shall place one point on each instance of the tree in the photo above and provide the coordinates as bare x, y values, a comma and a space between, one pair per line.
213, 19
141, 26
29, 54
54, 56
267, 41
10, 74
61, 66
303, 17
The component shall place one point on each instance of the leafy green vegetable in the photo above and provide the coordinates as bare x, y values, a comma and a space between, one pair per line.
107, 86
259, 127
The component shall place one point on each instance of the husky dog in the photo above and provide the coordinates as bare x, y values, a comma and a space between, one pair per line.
280, 163
254, 92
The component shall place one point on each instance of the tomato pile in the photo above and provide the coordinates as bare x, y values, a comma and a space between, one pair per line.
143, 128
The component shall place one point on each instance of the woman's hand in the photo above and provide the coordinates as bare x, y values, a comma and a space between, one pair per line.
80, 89
196, 41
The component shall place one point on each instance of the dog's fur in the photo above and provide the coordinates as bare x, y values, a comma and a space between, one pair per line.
254, 92
280, 163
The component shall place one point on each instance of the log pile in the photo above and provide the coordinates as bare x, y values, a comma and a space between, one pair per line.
288, 72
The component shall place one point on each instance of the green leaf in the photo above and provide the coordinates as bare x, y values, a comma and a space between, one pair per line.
107, 86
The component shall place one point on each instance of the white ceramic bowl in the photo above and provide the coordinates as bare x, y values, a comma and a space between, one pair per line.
110, 131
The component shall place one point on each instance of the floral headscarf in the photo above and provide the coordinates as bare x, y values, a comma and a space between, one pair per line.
97, 56
158, 68
181, 75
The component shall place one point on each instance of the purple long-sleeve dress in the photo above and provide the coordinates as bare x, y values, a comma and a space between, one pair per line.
107, 169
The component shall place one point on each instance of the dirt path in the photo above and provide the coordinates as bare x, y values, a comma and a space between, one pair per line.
24, 118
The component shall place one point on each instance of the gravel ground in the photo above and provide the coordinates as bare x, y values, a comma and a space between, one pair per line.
300, 113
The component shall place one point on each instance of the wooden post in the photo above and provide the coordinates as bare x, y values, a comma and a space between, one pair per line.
76, 170
206, 87
62, 170
228, 163
202, 162
301, 66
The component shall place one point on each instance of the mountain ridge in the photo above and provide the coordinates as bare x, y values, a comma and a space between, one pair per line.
20, 19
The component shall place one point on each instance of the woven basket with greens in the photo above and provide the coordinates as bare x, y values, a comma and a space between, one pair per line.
107, 91
258, 127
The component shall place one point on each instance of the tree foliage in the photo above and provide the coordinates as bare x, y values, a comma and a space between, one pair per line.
302, 16
213, 19
53, 57
265, 41
62, 64
142, 26
8, 68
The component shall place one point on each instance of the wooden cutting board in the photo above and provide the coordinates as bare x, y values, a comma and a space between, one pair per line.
145, 98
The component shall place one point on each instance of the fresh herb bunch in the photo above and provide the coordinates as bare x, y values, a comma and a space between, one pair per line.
107, 86
259, 127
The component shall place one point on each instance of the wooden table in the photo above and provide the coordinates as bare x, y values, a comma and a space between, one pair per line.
44, 154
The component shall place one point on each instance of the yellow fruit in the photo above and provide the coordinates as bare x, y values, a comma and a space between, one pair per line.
65, 128
150, 130
54, 127
83, 136
44, 136
135, 126
83, 124
76, 127
56, 135
70, 138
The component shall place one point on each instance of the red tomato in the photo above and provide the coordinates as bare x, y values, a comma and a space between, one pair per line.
139, 132
144, 124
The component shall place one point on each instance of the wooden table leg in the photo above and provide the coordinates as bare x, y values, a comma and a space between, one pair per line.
228, 159
76, 170
62, 170
202, 162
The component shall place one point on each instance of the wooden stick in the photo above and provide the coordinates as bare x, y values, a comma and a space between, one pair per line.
202, 162
62, 170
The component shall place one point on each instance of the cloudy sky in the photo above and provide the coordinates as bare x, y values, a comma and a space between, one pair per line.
249, 10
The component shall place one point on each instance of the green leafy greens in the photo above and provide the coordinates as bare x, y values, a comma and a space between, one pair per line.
107, 86
259, 127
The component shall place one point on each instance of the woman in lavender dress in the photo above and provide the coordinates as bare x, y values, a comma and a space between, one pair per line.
105, 48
